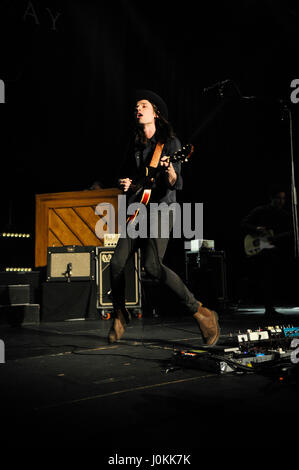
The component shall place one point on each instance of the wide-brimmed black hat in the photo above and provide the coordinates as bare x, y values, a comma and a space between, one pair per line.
154, 99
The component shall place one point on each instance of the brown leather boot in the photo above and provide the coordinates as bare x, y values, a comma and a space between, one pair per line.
121, 318
207, 321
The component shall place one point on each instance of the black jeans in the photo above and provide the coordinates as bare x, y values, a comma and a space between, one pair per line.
153, 251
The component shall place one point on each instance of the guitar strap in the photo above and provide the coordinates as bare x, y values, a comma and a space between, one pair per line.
147, 192
156, 156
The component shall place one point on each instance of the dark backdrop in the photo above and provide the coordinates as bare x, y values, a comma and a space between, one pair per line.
71, 67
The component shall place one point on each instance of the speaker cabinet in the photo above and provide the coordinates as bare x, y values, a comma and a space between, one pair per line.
71, 263
132, 276
62, 301
206, 276
15, 295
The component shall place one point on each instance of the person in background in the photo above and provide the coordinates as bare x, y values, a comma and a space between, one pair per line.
270, 227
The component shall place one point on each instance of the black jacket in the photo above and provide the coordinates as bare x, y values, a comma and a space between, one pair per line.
138, 158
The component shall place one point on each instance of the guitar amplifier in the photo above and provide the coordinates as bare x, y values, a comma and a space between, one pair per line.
206, 276
71, 263
132, 277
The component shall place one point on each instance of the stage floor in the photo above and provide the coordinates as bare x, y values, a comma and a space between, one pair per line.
63, 385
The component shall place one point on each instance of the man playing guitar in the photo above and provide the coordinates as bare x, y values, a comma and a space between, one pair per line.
268, 243
154, 141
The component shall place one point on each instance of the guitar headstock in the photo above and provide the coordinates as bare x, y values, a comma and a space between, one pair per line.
183, 154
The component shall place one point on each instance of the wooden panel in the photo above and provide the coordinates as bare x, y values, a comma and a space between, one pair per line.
53, 240
87, 213
61, 230
83, 231
69, 219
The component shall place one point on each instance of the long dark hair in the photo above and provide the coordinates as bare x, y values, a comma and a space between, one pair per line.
164, 130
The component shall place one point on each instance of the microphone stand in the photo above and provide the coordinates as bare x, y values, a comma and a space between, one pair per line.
219, 87
293, 188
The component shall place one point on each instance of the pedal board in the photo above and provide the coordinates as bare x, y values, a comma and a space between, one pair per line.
245, 352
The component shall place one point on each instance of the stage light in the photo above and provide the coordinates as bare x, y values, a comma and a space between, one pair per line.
15, 234
10, 269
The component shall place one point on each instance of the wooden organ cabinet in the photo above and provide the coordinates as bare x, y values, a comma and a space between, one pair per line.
69, 218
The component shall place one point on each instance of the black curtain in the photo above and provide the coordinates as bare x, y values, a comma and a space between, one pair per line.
70, 70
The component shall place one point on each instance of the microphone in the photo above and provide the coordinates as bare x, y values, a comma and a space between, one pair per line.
68, 272
218, 85
69, 269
